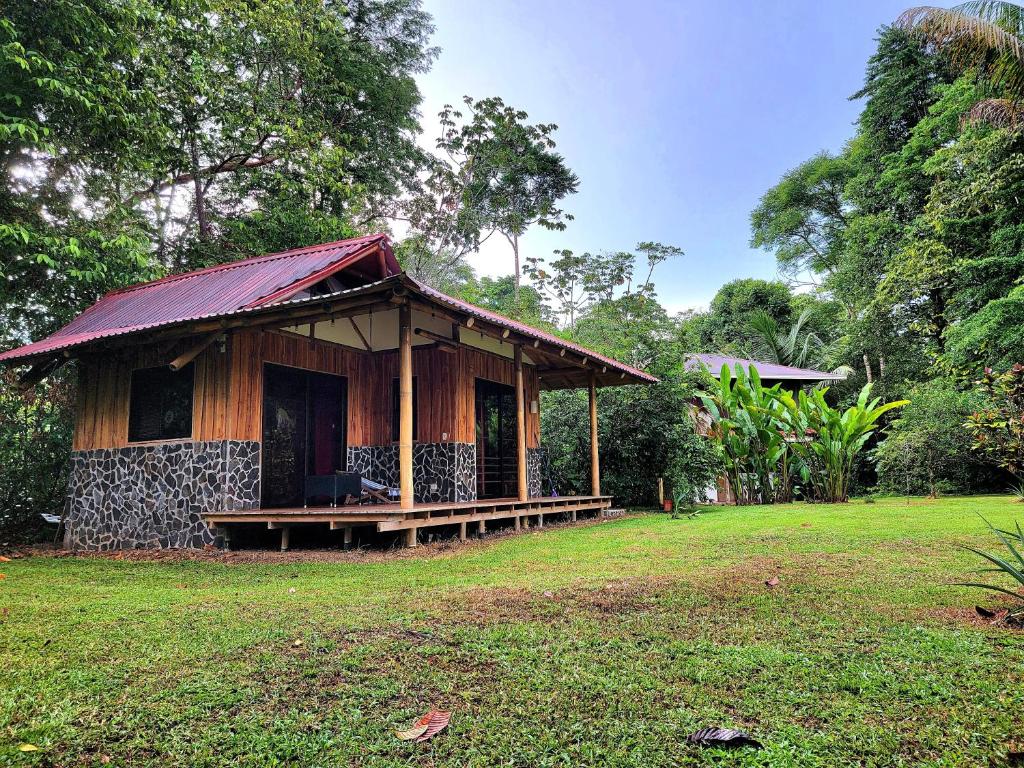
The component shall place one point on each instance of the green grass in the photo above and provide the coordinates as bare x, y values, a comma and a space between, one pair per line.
651, 628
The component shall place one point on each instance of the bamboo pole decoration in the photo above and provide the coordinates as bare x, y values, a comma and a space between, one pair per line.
524, 491
595, 468
405, 406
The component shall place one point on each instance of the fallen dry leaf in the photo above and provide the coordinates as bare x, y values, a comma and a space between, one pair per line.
291, 591
427, 726
28, 747
4, 559
3, 576
297, 644
772, 582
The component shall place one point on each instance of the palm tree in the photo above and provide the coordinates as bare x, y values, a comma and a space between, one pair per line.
792, 346
982, 35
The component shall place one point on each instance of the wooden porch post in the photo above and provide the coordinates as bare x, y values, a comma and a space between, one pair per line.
405, 406
595, 468
524, 491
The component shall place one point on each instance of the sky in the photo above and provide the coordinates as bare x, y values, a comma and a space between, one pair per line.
676, 116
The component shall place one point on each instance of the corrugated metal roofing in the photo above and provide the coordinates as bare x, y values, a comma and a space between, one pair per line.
772, 371
254, 285
528, 330
210, 292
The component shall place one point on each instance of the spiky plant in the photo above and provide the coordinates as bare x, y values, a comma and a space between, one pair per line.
1012, 565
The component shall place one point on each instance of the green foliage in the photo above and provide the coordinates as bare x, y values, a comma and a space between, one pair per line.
495, 173
35, 437
746, 423
997, 429
927, 449
644, 433
827, 440
769, 436
726, 327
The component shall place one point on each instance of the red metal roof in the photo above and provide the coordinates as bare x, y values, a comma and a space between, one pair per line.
210, 292
528, 330
256, 285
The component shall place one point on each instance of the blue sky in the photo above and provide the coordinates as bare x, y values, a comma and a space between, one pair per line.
676, 116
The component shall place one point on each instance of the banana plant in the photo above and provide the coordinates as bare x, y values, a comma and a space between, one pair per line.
827, 440
745, 421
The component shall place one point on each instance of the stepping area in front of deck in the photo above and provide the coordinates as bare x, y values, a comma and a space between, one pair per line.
470, 516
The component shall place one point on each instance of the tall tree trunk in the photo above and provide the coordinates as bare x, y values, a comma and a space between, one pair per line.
881, 367
200, 203
515, 251
867, 368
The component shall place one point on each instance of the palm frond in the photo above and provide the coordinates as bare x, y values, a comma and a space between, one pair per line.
983, 35
999, 113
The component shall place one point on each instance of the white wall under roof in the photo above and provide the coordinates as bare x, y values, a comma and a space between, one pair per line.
381, 330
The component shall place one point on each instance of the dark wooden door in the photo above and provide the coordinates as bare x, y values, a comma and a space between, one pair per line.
304, 415
497, 461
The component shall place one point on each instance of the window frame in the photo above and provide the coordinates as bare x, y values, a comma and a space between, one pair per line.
189, 371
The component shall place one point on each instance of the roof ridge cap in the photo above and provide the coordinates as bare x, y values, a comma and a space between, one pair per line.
304, 250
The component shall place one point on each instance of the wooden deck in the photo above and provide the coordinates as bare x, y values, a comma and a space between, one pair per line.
391, 517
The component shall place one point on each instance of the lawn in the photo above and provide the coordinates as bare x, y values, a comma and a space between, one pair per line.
598, 645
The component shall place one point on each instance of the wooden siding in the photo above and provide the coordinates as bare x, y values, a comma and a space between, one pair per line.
228, 400
104, 389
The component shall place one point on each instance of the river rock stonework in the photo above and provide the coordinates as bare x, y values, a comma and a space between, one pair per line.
154, 496
535, 471
441, 472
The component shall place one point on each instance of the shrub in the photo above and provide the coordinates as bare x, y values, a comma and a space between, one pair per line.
35, 441
927, 449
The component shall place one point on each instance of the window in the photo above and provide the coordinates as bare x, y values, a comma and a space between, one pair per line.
396, 421
161, 404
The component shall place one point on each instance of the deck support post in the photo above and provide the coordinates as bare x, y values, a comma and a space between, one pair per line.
348, 536
573, 513
540, 521
481, 528
462, 532
518, 523
285, 531
524, 491
410, 537
595, 467
405, 407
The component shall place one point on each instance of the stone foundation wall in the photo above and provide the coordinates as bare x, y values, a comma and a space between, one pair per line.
440, 471
534, 471
155, 495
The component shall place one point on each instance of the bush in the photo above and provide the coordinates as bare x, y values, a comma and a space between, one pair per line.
644, 432
927, 449
35, 441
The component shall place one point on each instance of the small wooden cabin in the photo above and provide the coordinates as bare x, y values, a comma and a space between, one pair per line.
221, 397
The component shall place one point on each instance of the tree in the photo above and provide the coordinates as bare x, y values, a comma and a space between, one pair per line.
726, 326
794, 346
802, 218
497, 173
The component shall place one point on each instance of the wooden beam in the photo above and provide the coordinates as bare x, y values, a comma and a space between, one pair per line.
443, 341
524, 490
405, 407
39, 371
595, 469
359, 333
193, 352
